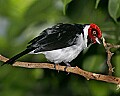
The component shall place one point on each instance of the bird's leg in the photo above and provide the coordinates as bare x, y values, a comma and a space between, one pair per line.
67, 65
56, 67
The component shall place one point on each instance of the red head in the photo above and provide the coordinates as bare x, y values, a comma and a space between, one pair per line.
94, 33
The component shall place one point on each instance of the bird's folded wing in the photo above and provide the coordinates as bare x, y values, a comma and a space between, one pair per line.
57, 37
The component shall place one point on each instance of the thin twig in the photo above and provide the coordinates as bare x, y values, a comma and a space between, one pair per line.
108, 47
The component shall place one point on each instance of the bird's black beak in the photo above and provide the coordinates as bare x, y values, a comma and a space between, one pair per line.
99, 40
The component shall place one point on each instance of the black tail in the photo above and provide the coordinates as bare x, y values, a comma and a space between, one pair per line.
12, 60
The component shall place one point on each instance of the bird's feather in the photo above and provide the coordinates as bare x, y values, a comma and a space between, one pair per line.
12, 60
57, 37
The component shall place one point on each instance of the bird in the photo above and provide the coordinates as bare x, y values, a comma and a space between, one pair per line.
62, 42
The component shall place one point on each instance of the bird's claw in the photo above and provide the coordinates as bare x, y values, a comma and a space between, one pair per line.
67, 65
56, 67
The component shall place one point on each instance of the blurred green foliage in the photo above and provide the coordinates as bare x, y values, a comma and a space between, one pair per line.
22, 20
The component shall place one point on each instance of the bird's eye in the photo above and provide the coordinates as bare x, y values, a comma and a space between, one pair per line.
94, 33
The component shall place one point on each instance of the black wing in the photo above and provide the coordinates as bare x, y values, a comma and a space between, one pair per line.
59, 36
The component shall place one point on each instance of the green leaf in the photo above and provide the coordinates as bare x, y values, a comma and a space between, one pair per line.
66, 2
83, 11
118, 13
97, 2
114, 8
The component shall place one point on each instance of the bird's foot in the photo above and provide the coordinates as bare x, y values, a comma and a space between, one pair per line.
67, 65
56, 67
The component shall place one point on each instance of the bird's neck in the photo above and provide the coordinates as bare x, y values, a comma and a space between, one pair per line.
85, 30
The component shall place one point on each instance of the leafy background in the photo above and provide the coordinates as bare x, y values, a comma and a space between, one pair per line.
22, 20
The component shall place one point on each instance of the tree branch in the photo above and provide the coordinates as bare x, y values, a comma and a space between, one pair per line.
76, 70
